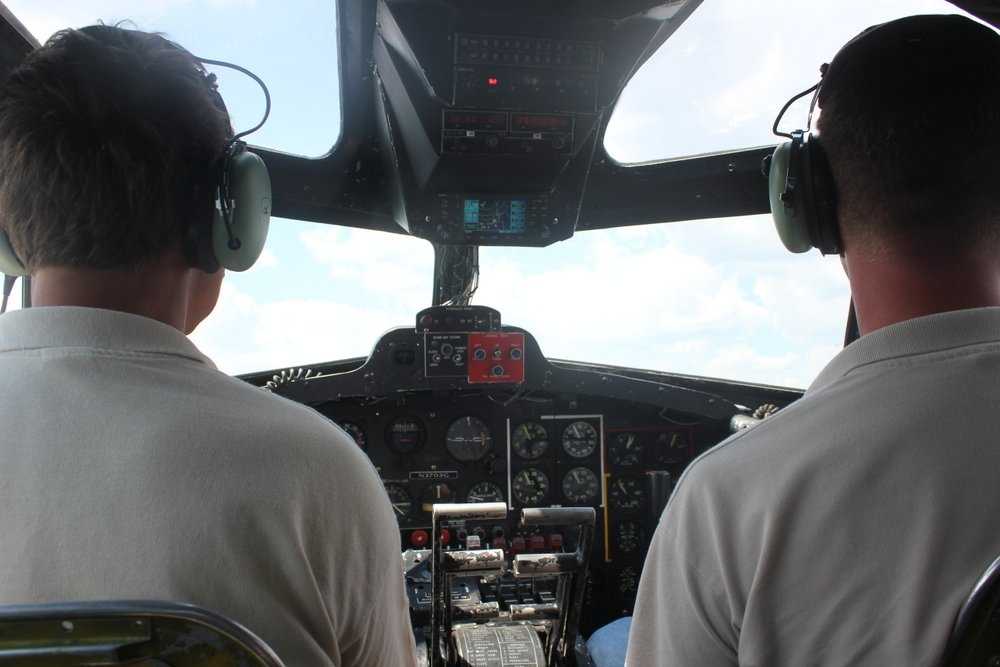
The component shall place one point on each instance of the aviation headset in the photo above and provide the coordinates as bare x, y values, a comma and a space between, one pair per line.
802, 192
234, 238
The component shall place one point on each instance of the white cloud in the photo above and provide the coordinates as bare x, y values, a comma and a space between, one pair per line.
716, 298
246, 334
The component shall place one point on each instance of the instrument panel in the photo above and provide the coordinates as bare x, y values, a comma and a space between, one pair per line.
462, 409
533, 451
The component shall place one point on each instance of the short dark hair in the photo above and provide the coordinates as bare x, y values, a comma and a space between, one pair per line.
109, 141
910, 121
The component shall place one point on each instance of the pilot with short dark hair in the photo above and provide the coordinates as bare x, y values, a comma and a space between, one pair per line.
130, 467
848, 528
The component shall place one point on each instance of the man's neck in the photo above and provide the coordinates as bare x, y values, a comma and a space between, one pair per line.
888, 290
150, 292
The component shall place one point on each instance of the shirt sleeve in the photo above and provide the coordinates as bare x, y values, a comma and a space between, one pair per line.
381, 634
683, 615
386, 639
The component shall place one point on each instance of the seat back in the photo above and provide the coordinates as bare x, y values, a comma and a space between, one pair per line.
975, 639
136, 633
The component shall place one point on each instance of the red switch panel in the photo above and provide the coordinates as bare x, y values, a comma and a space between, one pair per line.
496, 358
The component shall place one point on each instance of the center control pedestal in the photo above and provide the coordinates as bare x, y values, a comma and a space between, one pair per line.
490, 607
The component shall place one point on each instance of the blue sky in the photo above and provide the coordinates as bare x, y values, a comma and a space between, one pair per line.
717, 297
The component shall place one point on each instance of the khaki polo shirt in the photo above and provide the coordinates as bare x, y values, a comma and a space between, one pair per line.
847, 529
130, 468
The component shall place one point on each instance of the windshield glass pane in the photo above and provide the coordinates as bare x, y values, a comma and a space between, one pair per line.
319, 293
718, 82
720, 298
290, 44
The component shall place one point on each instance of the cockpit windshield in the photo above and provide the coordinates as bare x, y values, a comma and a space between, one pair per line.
715, 85
291, 45
718, 298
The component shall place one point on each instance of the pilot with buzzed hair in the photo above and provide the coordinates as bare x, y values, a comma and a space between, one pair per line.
849, 528
130, 467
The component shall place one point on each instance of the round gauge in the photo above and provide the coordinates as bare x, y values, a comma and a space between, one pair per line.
468, 439
629, 536
672, 447
356, 432
433, 494
580, 486
580, 439
405, 435
628, 581
485, 492
626, 450
530, 486
626, 493
530, 440
402, 503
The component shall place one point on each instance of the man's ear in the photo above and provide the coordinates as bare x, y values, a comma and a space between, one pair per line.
203, 296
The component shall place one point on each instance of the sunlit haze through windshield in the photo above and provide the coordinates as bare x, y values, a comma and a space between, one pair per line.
718, 298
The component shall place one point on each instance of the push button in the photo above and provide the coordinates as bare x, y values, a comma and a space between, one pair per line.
419, 538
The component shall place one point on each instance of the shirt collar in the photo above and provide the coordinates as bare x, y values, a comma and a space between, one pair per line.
921, 335
93, 328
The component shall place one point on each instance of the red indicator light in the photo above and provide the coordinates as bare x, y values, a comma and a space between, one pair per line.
492, 82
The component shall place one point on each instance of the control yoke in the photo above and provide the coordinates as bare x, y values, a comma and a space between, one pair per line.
475, 635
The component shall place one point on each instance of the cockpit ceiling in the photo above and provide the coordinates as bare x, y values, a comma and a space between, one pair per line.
352, 187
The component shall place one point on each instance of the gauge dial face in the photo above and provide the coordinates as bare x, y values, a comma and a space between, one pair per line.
629, 536
672, 447
580, 439
580, 486
402, 503
530, 487
530, 440
356, 432
433, 494
468, 439
628, 581
626, 449
485, 492
626, 493
405, 435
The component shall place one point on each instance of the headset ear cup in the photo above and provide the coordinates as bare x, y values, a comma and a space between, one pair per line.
822, 194
9, 263
249, 193
786, 197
